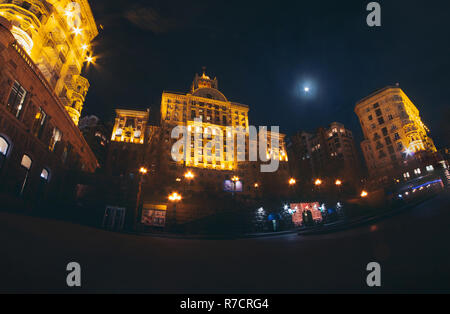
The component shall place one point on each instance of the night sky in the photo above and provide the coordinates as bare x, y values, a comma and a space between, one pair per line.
264, 52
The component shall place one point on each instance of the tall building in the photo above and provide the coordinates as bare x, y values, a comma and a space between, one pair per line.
328, 153
39, 143
204, 109
393, 131
56, 35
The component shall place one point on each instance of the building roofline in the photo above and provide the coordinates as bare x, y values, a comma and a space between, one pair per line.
379, 91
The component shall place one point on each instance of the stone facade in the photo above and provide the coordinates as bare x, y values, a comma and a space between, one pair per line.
40, 143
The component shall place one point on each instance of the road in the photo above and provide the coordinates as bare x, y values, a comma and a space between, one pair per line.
413, 249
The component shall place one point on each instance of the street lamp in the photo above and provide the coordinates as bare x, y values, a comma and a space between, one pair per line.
292, 181
174, 198
143, 171
338, 182
189, 175
318, 182
364, 193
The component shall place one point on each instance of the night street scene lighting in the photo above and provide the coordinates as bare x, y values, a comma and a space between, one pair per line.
224, 156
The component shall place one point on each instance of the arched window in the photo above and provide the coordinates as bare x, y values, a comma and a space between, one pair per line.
45, 175
4, 146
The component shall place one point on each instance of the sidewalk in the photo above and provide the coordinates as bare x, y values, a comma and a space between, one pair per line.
360, 221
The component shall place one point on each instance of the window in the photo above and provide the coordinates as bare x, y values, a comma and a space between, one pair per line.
385, 131
370, 118
390, 117
406, 175
4, 147
39, 123
417, 171
16, 99
56, 137
380, 120
396, 136
378, 112
45, 174
430, 168
376, 105
399, 146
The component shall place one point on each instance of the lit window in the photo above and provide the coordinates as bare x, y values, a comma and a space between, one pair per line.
430, 168
56, 137
417, 171
406, 175
16, 99
26, 162
4, 146
44, 174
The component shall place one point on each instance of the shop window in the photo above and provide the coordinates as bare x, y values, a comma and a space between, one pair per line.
430, 168
16, 99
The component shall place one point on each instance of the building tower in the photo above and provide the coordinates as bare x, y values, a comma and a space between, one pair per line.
56, 34
393, 130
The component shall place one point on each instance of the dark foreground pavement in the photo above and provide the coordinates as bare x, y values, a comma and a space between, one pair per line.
413, 249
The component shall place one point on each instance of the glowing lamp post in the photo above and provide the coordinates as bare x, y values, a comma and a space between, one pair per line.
235, 180
338, 182
142, 171
189, 176
364, 194
292, 182
174, 198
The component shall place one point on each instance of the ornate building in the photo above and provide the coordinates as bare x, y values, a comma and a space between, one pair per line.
56, 34
206, 111
39, 144
393, 131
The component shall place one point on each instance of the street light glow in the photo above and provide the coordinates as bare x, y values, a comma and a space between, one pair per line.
77, 30
364, 193
292, 181
306, 89
189, 175
318, 182
174, 197
235, 179
338, 182
143, 170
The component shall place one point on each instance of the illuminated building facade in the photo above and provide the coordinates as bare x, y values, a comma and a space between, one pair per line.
56, 35
205, 110
130, 126
39, 142
393, 131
